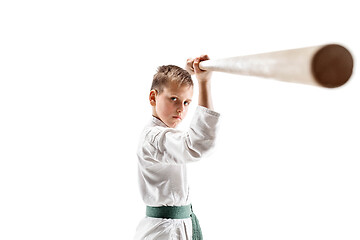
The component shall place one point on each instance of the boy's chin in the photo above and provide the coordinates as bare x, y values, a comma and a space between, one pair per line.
174, 124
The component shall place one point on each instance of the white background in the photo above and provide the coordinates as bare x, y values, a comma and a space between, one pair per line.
74, 82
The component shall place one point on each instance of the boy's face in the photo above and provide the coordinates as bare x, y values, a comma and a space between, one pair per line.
172, 104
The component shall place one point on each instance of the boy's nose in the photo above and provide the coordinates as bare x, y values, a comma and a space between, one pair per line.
180, 108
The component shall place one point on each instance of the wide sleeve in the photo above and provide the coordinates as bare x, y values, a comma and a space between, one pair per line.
179, 147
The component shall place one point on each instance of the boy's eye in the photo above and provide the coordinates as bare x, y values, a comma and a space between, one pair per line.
173, 99
186, 103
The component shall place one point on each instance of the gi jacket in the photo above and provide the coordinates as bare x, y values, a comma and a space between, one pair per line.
162, 157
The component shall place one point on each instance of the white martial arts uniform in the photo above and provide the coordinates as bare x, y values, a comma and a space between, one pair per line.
162, 157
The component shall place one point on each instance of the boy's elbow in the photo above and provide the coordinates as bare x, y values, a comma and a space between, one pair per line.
201, 149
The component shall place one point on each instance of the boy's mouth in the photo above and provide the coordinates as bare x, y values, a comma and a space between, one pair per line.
177, 117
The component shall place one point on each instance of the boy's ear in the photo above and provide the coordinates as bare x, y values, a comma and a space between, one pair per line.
152, 97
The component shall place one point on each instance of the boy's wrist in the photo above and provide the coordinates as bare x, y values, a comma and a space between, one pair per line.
204, 81
204, 84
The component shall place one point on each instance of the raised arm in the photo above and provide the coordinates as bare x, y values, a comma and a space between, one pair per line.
204, 80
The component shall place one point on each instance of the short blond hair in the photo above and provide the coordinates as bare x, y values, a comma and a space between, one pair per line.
168, 73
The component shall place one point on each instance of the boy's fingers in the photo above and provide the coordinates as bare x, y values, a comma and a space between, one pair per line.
196, 65
196, 62
204, 57
193, 64
189, 65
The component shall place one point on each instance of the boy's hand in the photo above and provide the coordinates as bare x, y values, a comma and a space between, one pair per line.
192, 66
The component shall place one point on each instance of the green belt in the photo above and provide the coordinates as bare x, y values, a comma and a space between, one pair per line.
177, 212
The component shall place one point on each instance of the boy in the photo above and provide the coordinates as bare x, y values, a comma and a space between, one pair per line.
164, 151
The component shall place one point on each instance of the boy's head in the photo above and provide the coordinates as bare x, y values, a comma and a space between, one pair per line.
171, 93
